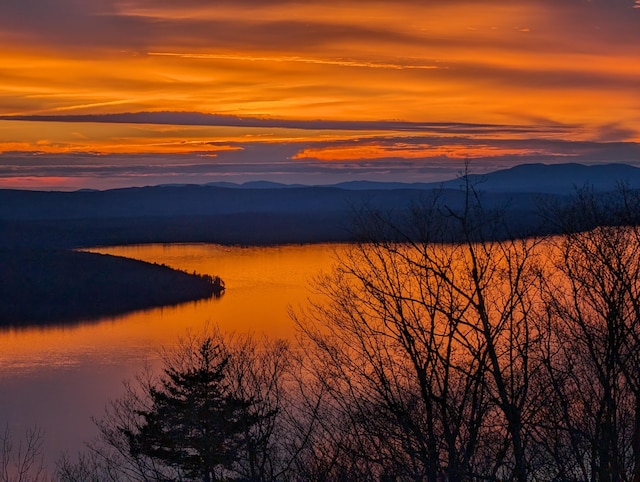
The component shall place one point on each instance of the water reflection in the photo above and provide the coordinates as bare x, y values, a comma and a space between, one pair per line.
260, 281
61, 376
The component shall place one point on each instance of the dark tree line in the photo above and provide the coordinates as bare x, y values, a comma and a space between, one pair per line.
55, 286
493, 358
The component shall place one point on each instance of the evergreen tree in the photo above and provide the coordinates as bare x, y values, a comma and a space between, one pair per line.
194, 423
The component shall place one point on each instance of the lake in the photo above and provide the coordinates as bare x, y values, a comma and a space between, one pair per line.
59, 377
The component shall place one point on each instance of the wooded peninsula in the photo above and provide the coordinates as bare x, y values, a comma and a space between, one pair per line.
41, 286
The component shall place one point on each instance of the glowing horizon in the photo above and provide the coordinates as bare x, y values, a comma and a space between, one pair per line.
92, 91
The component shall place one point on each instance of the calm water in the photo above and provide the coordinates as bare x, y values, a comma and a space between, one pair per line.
60, 377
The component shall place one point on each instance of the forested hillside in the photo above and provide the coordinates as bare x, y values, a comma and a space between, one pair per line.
45, 286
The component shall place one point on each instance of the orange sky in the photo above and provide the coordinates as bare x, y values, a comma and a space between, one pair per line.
341, 90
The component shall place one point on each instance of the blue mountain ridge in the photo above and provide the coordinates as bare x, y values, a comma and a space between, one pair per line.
541, 178
272, 213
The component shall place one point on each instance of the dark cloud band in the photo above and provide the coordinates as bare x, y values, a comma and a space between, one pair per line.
201, 119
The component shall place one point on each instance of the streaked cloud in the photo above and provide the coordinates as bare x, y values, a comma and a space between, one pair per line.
383, 158
305, 83
201, 119
317, 61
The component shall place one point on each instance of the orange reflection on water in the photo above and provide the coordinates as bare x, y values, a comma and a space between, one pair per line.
262, 284
80, 367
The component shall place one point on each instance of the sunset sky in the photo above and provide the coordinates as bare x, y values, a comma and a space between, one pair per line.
114, 93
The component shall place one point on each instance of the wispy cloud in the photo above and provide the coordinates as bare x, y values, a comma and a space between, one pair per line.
373, 86
316, 61
391, 158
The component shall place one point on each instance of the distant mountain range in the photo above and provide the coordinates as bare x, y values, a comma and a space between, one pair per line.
265, 212
542, 178
555, 178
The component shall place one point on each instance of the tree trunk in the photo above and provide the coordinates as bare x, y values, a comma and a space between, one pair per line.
635, 442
